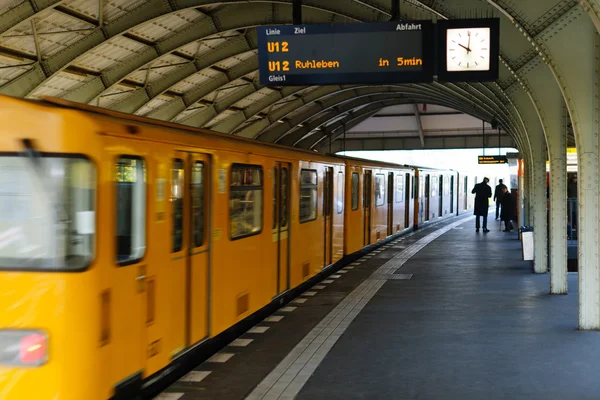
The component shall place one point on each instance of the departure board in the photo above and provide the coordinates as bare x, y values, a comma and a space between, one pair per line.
492, 160
360, 53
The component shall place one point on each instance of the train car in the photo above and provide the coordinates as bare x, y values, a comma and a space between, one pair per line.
379, 197
126, 244
466, 200
437, 195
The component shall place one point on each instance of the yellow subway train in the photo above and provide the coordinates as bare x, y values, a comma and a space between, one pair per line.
129, 246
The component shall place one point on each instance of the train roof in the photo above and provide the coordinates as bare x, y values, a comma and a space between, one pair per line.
392, 164
62, 103
124, 117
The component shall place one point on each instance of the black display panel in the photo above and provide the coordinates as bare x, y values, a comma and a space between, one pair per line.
492, 160
367, 53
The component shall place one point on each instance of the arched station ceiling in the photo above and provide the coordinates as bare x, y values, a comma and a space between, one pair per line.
195, 62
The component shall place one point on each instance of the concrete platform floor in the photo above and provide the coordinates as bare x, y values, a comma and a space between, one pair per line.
473, 322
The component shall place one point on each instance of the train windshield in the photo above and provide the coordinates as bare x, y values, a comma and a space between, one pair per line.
47, 212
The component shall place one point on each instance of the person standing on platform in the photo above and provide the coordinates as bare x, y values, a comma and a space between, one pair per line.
482, 193
508, 209
498, 193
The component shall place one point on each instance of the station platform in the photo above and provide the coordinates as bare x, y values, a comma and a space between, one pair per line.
442, 313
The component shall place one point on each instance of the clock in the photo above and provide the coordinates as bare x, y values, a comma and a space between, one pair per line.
468, 49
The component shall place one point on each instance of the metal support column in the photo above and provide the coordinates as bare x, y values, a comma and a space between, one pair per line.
395, 10
547, 100
539, 208
531, 193
522, 201
557, 143
297, 12
526, 192
580, 84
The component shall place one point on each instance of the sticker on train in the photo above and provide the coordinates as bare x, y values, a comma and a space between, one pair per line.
154, 348
160, 189
221, 181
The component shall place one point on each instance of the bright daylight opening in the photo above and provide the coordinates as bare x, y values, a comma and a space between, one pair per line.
462, 160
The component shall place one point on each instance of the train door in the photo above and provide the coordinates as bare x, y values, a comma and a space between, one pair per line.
466, 189
130, 283
452, 194
197, 210
407, 192
421, 199
327, 215
367, 187
427, 196
281, 232
441, 197
390, 201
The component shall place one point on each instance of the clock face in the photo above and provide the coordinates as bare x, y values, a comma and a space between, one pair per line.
468, 49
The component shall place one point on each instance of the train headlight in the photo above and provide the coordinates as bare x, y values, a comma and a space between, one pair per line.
27, 348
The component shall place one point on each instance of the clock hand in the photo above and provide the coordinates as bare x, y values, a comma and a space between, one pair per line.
466, 48
469, 44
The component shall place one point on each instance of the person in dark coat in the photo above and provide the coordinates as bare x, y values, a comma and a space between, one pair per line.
498, 193
508, 210
482, 193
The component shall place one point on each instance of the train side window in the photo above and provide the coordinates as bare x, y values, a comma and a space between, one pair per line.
354, 190
399, 188
413, 187
130, 179
197, 192
379, 189
245, 201
308, 195
340, 193
177, 185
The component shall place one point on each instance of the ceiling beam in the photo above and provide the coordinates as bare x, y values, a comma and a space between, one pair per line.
411, 143
419, 124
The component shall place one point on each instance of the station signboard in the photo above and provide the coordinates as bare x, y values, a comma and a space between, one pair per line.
367, 53
493, 160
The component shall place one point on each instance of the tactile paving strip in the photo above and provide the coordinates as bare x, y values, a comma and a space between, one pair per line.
288, 378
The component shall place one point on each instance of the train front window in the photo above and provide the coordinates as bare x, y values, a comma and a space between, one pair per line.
379, 189
399, 189
197, 191
354, 190
245, 201
308, 195
130, 179
177, 188
47, 212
